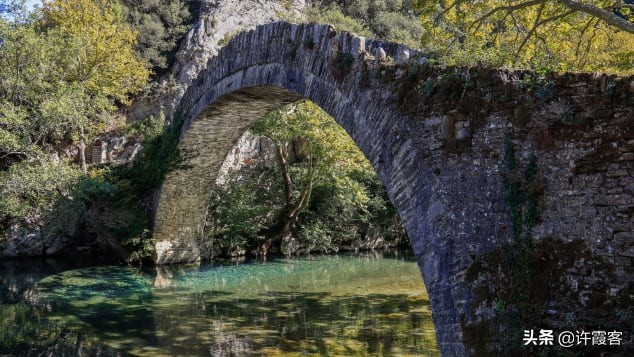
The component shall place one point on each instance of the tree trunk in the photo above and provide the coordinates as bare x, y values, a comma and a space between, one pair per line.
282, 155
282, 234
287, 242
82, 155
82, 152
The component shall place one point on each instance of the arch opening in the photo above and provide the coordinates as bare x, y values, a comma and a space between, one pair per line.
296, 183
215, 132
207, 140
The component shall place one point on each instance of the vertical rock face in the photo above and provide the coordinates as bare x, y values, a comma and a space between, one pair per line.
250, 152
218, 22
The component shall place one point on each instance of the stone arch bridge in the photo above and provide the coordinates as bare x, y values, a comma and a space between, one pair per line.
444, 142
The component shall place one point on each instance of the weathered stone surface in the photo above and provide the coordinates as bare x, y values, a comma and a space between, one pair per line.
251, 151
23, 242
113, 148
131, 152
379, 55
447, 186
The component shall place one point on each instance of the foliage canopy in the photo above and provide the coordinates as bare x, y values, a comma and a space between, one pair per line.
62, 73
322, 195
538, 34
160, 24
97, 45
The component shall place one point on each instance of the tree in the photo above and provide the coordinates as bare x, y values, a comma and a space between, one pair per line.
160, 25
22, 55
554, 35
15, 130
32, 191
393, 20
325, 151
238, 214
62, 71
96, 48
321, 195
95, 58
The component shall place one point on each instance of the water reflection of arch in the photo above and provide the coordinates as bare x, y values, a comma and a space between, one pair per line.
263, 309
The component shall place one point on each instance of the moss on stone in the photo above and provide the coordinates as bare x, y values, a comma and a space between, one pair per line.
342, 64
551, 261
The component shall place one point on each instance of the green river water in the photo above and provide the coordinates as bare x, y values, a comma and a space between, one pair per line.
366, 304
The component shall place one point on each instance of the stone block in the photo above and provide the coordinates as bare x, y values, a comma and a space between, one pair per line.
379, 55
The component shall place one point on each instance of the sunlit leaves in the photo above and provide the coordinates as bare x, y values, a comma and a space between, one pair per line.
30, 190
15, 130
98, 47
64, 109
23, 63
327, 143
543, 35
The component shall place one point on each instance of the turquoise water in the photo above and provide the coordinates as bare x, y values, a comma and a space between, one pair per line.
326, 305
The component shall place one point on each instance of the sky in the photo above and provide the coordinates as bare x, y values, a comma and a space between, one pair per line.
30, 4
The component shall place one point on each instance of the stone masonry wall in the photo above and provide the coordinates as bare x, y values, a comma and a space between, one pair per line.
438, 138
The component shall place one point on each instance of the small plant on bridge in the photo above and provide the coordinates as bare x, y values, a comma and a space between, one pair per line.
523, 191
342, 64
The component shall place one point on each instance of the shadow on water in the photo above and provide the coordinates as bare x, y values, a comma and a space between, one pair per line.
321, 323
36, 293
19, 277
350, 305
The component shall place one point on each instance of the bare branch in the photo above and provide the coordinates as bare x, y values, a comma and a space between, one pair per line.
5, 154
508, 9
440, 16
578, 53
537, 24
530, 33
584, 59
607, 16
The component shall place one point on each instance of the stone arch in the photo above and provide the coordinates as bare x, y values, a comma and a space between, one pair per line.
442, 164
246, 81
261, 70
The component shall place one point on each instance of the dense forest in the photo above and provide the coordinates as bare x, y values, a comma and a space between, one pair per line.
69, 69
